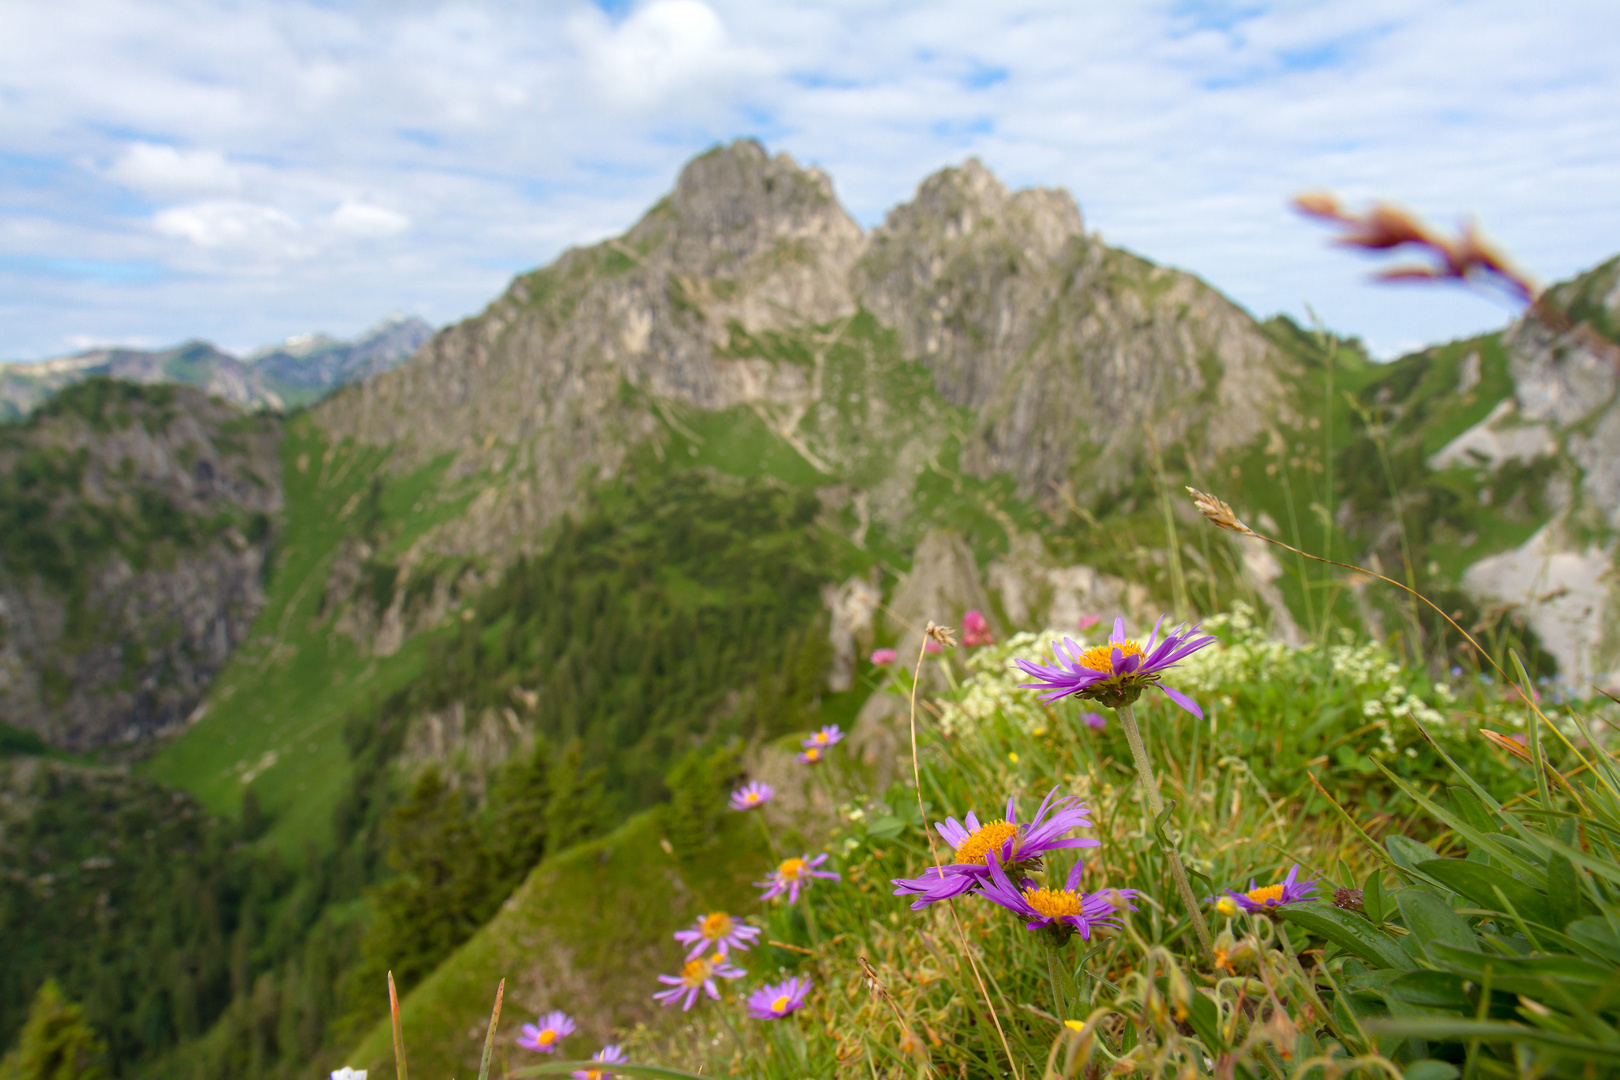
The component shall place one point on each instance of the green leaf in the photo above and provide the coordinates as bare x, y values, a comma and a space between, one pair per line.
1202, 1015
1408, 853
1430, 989
1595, 933
1374, 900
1563, 886
885, 828
1523, 974
1441, 1028
1477, 883
1471, 810
1432, 922
1349, 932
1431, 1069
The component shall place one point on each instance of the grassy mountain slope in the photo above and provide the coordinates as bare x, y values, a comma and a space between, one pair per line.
274, 718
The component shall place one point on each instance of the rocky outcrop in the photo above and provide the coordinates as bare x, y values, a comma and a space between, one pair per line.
747, 285
1566, 400
138, 522
1068, 351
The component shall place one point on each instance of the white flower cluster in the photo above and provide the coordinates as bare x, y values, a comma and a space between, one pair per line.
1244, 654
994, 686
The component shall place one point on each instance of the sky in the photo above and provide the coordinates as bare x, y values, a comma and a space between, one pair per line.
244, 172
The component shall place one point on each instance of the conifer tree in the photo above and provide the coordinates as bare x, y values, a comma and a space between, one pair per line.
56, 1043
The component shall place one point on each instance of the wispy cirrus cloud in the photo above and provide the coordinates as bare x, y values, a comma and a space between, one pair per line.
275, 168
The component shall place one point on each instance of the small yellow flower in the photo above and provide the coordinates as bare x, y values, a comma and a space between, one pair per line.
1012, 758
1074, 1026
1226, 906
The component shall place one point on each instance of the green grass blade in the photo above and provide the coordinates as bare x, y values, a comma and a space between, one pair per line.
1441, 1027
489, 1039
400, 1069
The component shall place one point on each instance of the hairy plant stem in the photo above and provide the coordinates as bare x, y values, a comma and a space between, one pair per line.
810, 919
1060, 1002
1150, 789
770, 841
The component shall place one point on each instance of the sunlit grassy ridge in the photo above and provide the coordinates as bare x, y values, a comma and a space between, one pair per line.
274, 717
1243, 809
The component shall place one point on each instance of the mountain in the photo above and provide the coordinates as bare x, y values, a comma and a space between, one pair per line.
660, 499
135, 524
296, 372
305, 368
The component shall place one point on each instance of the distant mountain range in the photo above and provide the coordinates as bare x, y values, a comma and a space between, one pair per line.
298, 371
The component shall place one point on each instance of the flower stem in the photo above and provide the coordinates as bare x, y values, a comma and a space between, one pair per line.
1150, 789
1060, 1003
810, 919
770, 841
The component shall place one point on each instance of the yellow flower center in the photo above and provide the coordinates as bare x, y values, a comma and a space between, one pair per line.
1226, 907
1053, 903
1101, 658
813, 754
791, 869
1265, 894
547, 1037
982, 841
715, 926
696, 972
751, 797
779, 1004
821, 737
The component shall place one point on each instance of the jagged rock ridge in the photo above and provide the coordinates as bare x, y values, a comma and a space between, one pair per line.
136, 522
1065, 351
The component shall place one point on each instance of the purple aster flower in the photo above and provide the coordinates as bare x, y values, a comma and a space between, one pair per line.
811, 756
824, 738
884, 657
1117, 673
542, 1035
752, 794
1287, 891
1014, 844
1096, 721
697, 974
1068, 909
720, 930
793, 875
611, 1054
775, 1002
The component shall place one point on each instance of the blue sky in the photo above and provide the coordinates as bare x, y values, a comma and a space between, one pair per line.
248, 171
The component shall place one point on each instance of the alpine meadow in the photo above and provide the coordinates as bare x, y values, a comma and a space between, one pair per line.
759, 646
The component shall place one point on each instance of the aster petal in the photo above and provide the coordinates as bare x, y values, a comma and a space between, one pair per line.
1182, 699
1119, 630
1148, 648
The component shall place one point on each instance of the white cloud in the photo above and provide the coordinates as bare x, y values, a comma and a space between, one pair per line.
156, 169
369, 222
347, 159
238, 227
663, 53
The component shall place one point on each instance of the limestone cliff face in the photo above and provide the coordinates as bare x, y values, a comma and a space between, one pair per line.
137, 524
736, 289
1067, 350
548, 387
1565, 405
